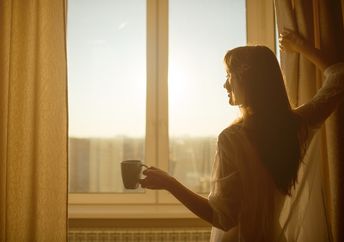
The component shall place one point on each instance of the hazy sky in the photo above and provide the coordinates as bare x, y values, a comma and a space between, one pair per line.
107, 65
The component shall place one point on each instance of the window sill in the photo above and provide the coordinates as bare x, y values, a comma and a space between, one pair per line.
129, 212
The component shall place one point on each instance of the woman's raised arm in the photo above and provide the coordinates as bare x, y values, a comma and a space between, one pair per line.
328, 97
291, 41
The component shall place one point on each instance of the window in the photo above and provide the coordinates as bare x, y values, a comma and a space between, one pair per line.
107, 82
146, 82
200, 33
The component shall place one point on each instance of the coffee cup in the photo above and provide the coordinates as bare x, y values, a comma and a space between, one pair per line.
131, 173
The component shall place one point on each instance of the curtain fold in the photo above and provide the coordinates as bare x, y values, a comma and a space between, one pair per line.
320, 22
33, 108
331, 40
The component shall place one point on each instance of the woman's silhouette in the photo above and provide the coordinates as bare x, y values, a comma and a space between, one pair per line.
258, 156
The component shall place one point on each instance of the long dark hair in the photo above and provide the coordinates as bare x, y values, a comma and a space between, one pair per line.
271, 124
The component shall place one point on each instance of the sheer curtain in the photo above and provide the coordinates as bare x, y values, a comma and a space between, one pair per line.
33, 123
315, 212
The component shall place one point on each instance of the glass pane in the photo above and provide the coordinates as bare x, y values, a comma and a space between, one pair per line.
200, 33
107, 80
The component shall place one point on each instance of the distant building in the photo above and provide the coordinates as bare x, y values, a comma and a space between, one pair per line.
94, 163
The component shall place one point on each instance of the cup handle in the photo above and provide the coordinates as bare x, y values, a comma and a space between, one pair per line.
144, 165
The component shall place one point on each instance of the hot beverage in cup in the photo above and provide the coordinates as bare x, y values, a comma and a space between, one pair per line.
131, 173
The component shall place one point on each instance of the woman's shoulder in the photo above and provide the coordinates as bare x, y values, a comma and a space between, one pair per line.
231, 132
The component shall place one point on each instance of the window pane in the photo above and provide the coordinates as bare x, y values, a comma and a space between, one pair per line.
200, 33
107, 83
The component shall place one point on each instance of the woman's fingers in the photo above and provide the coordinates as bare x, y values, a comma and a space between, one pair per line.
290, 41
143, 182
149, 169
156, 179
146, 184
150, 183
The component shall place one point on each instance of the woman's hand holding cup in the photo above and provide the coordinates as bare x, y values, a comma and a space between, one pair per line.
156, 179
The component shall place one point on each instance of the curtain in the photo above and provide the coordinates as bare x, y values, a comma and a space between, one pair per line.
331, 40
315, 213
33, 123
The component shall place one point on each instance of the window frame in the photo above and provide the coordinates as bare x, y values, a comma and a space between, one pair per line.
260, 29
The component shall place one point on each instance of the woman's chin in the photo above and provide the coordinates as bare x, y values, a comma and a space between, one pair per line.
232, 103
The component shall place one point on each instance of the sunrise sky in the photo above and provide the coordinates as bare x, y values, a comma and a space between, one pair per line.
107, 65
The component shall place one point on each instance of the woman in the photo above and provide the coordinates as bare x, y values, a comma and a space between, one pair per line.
258, 156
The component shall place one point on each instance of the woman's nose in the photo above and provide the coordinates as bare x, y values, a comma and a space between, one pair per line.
227, 86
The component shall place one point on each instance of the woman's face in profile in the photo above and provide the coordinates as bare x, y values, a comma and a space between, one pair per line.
235, 93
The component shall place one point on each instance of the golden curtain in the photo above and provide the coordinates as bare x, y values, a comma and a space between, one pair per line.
33, 123
321, 23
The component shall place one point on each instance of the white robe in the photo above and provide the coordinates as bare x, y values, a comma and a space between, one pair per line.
244, 197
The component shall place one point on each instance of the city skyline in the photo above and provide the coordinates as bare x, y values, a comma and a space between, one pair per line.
94, 163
